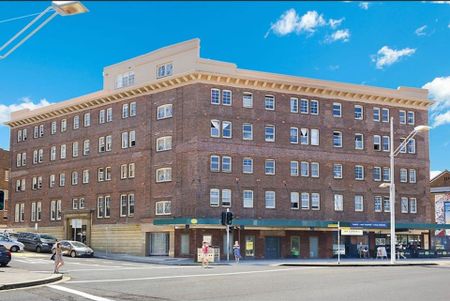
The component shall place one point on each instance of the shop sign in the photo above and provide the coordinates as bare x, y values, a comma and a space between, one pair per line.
369, 225
355, 232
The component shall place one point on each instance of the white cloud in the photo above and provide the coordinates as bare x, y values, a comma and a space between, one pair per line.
364, 5
439, 90
448, 25
286, 24
341, 34
335, 22
441, 2
310, 21
387, 56
25, 103
434, 173
441, 119
334, 67
421, 31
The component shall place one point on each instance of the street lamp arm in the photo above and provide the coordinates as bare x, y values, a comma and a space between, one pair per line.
404, 142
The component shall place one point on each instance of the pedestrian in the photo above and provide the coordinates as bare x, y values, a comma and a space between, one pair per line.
57, 257
205, 250
237, 251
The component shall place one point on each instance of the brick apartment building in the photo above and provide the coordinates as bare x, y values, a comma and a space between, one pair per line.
147, 164
440, 195
4, 184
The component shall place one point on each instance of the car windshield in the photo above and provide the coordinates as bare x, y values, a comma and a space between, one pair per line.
78, 244
45, 236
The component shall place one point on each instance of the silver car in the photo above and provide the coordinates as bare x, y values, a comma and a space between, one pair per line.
11, 244
75, 249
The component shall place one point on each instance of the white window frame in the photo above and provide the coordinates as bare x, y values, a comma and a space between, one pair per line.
359, 203
272, 195
164, 143
247, 201
338, 202
247, 100
359, 115
361, 145
165, 173
304, 109
294, 104
247, 134
337, 104
266, 171
268, 99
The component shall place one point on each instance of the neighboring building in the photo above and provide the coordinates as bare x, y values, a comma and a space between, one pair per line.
440, 194
4, 183
147, 165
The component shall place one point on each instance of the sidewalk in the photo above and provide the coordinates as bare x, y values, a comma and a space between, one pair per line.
165, 260
11, 278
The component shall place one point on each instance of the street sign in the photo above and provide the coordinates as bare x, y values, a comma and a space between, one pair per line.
332, 225
194, 221
353, 232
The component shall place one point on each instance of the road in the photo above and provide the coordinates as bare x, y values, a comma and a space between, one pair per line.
106, 280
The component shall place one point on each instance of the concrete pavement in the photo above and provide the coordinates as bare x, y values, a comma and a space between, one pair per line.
11, 278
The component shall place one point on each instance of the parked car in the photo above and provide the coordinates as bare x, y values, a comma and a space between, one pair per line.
5, 256
37, 242
75, 248
11, 244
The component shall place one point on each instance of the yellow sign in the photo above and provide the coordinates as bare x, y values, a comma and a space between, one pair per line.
249, 245
194, 221
354, 232
332, 225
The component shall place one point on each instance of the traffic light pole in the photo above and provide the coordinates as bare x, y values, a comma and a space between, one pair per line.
228, 238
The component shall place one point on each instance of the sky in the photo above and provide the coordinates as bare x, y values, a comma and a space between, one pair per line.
369, 43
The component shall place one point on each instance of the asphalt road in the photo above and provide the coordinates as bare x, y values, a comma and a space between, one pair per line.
105, 280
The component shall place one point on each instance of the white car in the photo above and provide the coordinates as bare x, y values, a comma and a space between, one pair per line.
10, 244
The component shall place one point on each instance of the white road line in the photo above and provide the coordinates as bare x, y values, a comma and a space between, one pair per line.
79, 293
181, 276
121, 269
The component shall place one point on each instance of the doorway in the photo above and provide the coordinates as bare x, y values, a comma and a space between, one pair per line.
313, 247
159, 244
272, 248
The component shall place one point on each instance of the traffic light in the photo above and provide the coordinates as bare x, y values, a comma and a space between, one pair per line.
226, 218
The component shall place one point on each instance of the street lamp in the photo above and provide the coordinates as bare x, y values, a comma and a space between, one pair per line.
62, 8
391, 185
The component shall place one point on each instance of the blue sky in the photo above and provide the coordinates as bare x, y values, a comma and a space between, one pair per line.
380, 44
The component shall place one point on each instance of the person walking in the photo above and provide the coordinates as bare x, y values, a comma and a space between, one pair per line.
237, 251
59, 262
205, 250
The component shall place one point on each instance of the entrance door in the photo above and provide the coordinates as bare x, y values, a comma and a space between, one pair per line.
272, 248
159, 244
313, 247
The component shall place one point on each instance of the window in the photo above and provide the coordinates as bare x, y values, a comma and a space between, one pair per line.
293, 135
402, 117
385, 115
247, 100
107, 173
41, 131
377, 203
294, 168
215, 128
377, 142
294, 105
131, 204
38, 211
24, 159
164, 143
337, 171
100, 174
359, 112
127, 204
125, 110
87, 120
133, 109
52, 210
295, 200
63, 125
376, 114
411, 118
338, 202
19, 135
75, 149
304, 106
403, 149
247, 196
247, 131
81, 203
337, 139
304, 169
247, 165
109, 115
386, 204
305, 200
86, 147
35, 132
376, 173
269, 102
226, 164
52, 181
101, 144
131, 170
412, 205
18, 159
227, 98
86, 176
128, 139
214, 197
386, 143
386, 174
359, 141
53, 128
269, 167
163, 208
404, 205
164, 111
304, 136
63, 151
124, 80
124, 140
314, 169
25, 134
58, 210
164, 175
412, 176
76, 122
100, 207
215, 96
403, 175
74, 203
101, 116
411, 146
269, 133
314, 107
214, 163
164, 70
359, 172
226, 129
35, 156
315, 201
269, 198
40, 155
123, 171
314, 137
337, 109
74, 178
359, 203
226, 197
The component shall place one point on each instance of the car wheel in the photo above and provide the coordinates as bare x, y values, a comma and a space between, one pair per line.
73, 254
2, 264
14, 249
38, 249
